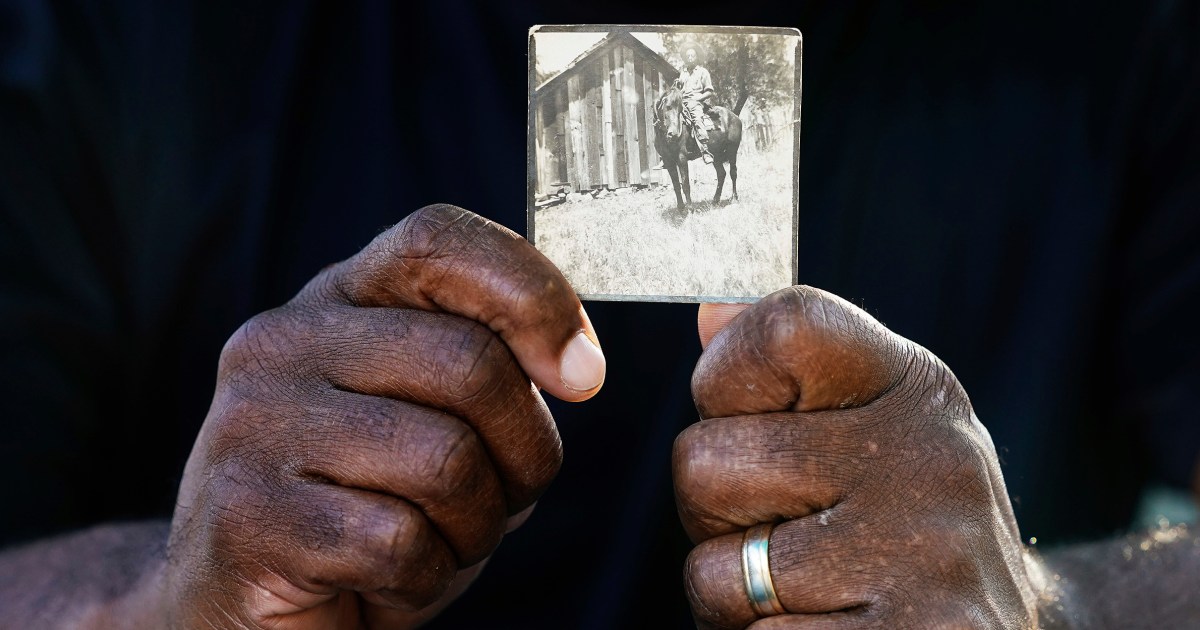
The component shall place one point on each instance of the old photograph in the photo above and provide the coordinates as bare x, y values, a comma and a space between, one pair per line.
663, 160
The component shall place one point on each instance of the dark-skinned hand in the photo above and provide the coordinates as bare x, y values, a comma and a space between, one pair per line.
370, 441
864, 449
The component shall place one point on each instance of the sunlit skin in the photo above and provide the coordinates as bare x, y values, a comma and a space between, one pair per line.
864, 449
371, 442
401, 373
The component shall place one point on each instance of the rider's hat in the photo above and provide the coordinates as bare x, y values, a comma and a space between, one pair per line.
692, 44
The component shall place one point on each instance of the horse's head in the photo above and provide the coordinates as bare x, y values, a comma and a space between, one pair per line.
668, 113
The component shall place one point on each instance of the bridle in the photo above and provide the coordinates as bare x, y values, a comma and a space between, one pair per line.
659, 106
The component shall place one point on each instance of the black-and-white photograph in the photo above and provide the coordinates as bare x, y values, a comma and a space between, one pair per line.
663, 159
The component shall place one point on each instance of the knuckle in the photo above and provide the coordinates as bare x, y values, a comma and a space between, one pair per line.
452, 463
473, 362
947, 468
699, 466
400, 535
807, 307
230, 427
390, 535
683, 451
785, 321
405, 543
263, 346
970, 472
981, 438
232, 509
702, 593
246, 343
931, 387
537, 478
433, 228
439, 214
696, 587
925, 406
960, 467
860, 359
263, 369
330, 286
948, 540
533, 291
538, 295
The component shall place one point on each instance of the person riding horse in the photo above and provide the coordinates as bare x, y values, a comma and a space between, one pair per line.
696, 85
682, 133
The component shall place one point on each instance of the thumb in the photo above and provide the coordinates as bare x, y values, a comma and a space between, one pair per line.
445, 259
713, 317
798, 349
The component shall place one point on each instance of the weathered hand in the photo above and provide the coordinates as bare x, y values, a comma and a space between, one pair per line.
369, 441
864, 448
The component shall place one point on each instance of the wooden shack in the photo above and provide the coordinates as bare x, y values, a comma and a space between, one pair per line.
594, 121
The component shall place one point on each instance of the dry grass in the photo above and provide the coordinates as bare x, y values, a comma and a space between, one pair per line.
636, 243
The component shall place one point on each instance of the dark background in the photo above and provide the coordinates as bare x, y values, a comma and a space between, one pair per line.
1012, 186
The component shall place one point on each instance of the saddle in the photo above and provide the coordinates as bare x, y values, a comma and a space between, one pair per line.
712, 118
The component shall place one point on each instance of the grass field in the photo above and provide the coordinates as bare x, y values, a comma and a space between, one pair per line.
635, 242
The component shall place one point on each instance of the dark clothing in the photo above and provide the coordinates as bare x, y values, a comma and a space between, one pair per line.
1016, 191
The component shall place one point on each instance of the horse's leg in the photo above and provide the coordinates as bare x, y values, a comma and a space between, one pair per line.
673, 170
733, 175
687, 179
720, 180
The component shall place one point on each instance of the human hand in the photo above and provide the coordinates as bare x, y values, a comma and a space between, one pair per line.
370, 441
864, 449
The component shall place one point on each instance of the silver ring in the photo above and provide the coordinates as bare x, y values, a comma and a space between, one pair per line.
756, 571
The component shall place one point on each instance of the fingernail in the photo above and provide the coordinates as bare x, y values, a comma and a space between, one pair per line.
582, 367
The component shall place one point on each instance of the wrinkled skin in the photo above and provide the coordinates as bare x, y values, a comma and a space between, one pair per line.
864, 448
370, 442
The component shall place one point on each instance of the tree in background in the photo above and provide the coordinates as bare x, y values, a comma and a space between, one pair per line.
742, 66
540, 76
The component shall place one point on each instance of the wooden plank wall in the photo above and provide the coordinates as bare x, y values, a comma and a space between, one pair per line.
606, 114
550, 142
650, 81
540, 148
559, 148
595, 126
619, 158
596, 129
628, 111
576, 151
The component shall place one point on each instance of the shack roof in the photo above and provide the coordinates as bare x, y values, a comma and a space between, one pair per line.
603, 46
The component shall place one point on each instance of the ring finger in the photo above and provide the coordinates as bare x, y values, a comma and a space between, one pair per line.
812, 564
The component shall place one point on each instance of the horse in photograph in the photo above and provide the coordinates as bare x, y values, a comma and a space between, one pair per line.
677, 147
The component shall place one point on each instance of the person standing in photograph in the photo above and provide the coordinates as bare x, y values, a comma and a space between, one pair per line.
758, 120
